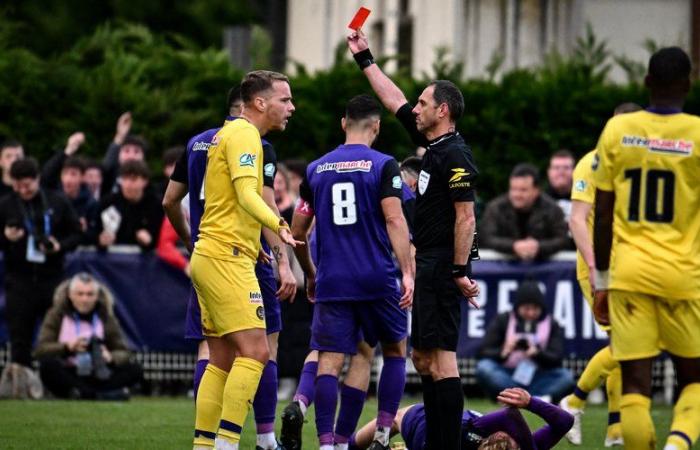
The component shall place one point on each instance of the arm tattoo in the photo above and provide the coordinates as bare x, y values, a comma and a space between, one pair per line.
277, 252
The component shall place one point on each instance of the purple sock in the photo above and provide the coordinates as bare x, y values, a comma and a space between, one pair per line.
390, 390
265, 401
351, 402
305, 388
326, 400
199, 369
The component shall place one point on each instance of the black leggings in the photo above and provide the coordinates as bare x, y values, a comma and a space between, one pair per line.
61, 379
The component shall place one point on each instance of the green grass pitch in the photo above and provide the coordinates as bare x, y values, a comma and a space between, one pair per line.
166, 423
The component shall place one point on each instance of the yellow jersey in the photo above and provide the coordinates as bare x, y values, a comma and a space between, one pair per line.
226, 228
652, 164
584, 190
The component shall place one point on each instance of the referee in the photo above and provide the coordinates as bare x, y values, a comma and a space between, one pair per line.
443, 235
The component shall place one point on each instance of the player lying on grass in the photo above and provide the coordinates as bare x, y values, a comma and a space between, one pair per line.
504, 429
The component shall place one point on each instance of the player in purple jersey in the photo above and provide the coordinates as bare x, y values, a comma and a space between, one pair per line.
354, 193
504, 429
188, 179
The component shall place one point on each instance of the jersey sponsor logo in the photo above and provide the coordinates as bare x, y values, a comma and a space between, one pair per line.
679, 147
396, 182
269, 170
255, 297
580, 185
247, 159
215, 140
461, 184
260, 312
345, 166
201, 146
459, 173
423, 180
595, 163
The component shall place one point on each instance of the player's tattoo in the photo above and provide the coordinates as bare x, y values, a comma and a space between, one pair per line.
277, 252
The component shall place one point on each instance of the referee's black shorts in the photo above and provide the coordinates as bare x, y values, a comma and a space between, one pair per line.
437, 302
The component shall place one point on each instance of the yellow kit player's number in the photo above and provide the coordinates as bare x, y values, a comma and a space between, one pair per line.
659, 187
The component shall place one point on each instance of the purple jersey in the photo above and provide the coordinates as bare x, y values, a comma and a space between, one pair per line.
345, 188
413, 429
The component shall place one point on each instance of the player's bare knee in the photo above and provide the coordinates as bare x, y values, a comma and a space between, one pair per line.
330, 363
421, 361
394, 349
636, 377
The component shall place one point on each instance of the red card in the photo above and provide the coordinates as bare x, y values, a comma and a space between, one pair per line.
359, 19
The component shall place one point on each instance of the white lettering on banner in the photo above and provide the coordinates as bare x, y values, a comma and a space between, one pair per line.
564, 308
475, 324
505, 287
589, 325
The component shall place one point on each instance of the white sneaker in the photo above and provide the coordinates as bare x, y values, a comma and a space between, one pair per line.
613, 441
574, 434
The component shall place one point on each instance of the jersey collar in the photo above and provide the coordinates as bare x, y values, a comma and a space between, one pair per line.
663, 110
442, 138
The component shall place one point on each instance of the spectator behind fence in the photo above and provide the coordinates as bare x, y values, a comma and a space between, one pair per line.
297, 172
10, 151
170, 157
92, 178
133, 214
170, 247
283, 196
81, 348
124, 147
560, 180
524, 222
524, 348
39, 227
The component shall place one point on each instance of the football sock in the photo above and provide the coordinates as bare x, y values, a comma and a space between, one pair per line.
450, 402
199, 369
685, 427
208, 405
241, 384
351, 402
265, 401
389, 391
613, 386
266, 441
305, 389
432, 419
637, 428
596, 370
326, 400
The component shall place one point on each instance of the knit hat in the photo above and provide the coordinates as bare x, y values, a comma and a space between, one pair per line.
529, 293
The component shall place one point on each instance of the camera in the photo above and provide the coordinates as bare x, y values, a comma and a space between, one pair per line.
45, 242
522, 344
91, 362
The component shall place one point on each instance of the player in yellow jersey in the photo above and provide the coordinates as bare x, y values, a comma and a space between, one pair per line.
602, 366
224, 257
648, 212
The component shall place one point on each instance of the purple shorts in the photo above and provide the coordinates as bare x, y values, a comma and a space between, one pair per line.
339, 326
273, 310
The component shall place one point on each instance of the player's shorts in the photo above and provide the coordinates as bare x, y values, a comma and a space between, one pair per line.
193, 320
588, 296
229, 294
413, 429
437, 303
643, 325
338, 326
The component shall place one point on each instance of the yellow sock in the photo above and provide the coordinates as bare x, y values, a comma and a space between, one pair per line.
613, 386
596, 370
208, 406
686, 418
637, 428
241, 385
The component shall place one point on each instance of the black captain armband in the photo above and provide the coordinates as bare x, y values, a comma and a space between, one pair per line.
459, 270
364, 58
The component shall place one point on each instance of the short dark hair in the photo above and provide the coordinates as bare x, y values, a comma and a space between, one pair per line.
137, 141
259, 81
9, 143
447, 92
628, 107
526, 170
134, 168
234, 96
74, 162
172, 154
412, 164
92, 164
362, 107
297, 166
563, 153
669, 65
24, 168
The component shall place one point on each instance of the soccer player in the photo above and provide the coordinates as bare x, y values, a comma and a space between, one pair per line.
443, 236
354, 193
187, 179
500, 430
646, 215
224, 257
602, 365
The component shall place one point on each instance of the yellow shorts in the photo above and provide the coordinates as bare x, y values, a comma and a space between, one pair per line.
229, 294
643, 325
588, 295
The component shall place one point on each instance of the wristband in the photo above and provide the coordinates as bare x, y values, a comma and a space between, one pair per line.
459, 270
364, 58
601, 278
